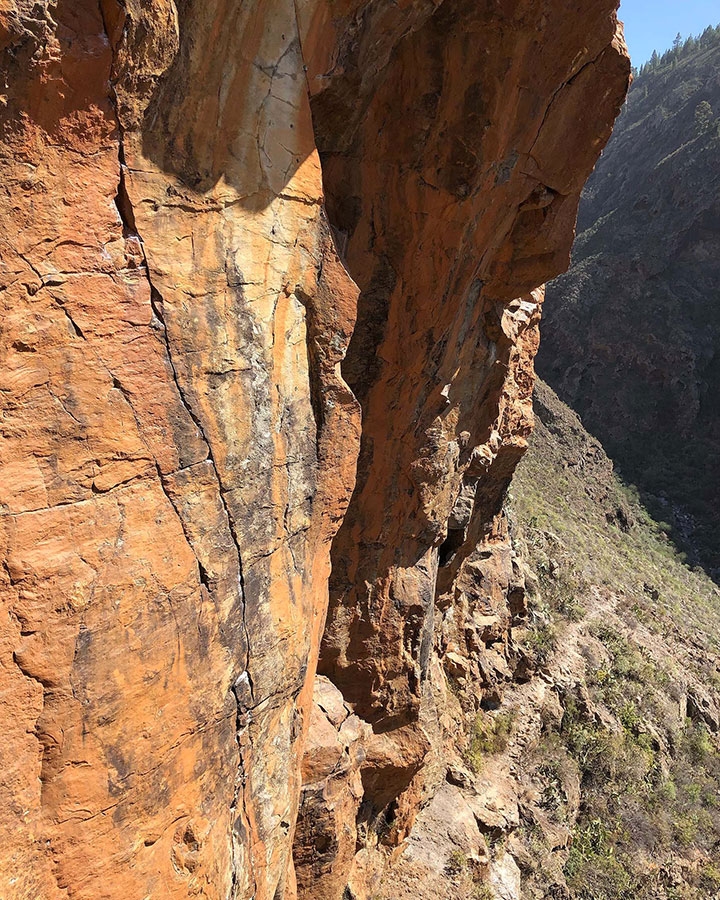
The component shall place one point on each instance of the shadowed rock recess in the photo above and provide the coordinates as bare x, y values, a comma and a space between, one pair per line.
199, 200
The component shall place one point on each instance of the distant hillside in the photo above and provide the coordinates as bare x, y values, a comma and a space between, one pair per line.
631, 338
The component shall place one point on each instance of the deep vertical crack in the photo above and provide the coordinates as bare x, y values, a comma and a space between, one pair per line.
156, 302
126, 212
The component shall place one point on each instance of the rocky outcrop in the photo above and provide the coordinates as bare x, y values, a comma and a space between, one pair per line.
441, 357
191, 194
179, 447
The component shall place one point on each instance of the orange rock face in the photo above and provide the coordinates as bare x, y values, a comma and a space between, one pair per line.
453, 173
191, 194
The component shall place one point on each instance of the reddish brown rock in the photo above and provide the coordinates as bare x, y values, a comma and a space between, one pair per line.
453, 213
178, 449
179, 444
331, 796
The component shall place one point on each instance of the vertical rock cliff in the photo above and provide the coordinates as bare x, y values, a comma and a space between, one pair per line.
199, 199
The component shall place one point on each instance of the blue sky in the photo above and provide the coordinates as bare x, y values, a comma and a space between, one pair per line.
652, 24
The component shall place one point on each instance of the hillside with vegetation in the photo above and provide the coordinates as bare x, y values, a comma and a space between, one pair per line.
680, 50
612, 736
631, 338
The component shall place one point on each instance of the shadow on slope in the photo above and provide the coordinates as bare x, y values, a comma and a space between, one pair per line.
632, 331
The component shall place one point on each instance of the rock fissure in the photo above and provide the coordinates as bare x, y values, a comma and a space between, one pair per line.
125, 209
156, 303
126, 212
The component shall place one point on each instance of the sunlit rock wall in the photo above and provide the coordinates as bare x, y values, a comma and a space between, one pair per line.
194, 195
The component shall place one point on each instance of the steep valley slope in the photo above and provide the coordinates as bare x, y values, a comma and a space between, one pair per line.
612, 738
632, 331
591, 769
596, 747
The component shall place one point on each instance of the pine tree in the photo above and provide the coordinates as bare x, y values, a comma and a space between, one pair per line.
707, 37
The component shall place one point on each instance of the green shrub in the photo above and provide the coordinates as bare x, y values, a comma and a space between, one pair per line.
542, 641
593, 870
457, 862
686, 829
490, 734
483, 892
629, 717
697, 743
710, 878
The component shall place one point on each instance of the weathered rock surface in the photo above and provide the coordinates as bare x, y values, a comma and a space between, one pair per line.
441, 357
179, 444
